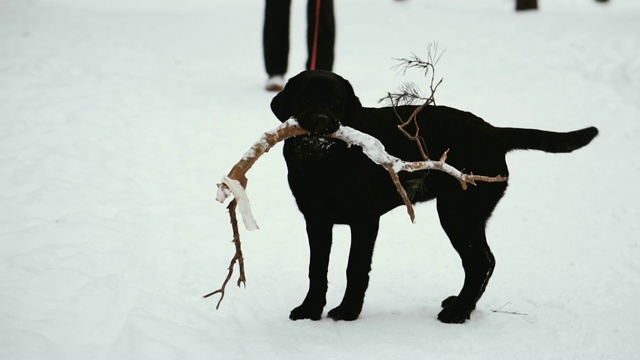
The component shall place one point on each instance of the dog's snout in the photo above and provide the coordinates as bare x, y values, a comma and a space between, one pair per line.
320, 124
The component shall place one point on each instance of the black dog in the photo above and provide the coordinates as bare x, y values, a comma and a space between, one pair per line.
337, 184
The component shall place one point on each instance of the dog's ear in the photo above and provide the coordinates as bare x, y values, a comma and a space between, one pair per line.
352, 106
281, 104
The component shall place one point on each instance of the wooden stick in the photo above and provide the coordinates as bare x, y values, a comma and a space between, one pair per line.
371, 147
242, 280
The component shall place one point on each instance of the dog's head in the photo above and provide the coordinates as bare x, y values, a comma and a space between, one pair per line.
320, 100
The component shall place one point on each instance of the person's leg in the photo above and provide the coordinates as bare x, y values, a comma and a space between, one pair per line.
326, 34
275, 39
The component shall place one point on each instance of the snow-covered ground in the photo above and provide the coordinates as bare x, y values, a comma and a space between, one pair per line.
117, 118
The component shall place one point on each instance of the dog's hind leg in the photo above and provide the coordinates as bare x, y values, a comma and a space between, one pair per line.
465, 227
363, 238
319, 233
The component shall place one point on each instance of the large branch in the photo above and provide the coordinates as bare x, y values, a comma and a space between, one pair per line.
236, 181
371, 147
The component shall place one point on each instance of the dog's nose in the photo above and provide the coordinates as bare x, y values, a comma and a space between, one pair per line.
320, 124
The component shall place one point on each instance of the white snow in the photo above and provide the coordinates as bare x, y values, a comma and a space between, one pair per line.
118, 117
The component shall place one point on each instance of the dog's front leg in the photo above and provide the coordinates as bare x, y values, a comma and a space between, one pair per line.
319, 233
363, 238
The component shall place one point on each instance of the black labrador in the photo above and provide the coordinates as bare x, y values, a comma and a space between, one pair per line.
337, 184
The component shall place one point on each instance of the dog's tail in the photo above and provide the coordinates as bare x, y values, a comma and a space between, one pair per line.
548, 141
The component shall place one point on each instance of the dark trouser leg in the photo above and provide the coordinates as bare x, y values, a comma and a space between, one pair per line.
275, 36
326, 34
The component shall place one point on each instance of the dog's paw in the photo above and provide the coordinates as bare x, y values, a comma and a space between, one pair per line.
453, 301
454, 314
306, 312
450, 301
455, 311
345, 313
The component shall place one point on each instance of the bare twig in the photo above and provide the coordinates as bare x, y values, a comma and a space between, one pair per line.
499, 310
409, 94
237, 257
414, 62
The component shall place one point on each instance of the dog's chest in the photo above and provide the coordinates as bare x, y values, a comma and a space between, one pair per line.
339, 183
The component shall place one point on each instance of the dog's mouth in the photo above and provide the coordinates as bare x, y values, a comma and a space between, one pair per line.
317, 142
313, 146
